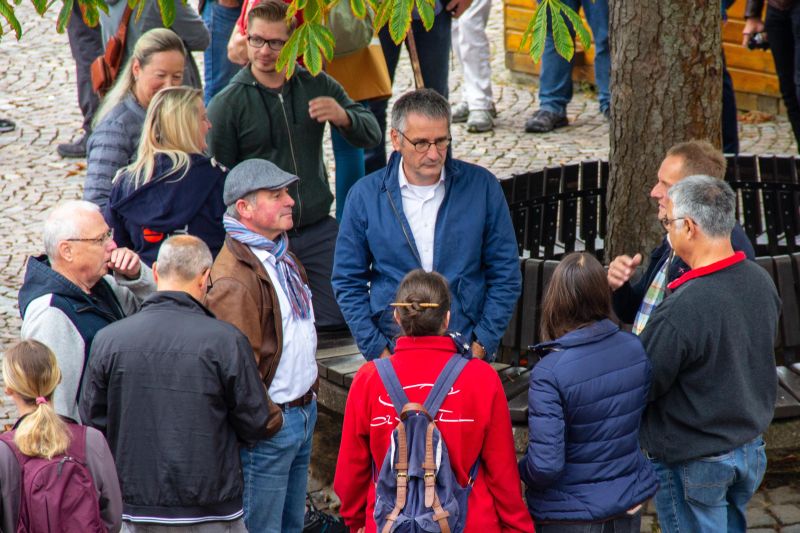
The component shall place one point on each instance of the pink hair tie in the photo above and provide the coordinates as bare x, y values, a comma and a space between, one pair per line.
40, 400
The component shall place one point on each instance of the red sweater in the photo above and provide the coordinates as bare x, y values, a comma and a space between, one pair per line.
474, 421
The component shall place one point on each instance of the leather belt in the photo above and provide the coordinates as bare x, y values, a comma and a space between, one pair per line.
302, 401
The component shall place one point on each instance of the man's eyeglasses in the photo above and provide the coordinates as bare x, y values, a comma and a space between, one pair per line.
666, 222
102, 239
424, 146
274, 44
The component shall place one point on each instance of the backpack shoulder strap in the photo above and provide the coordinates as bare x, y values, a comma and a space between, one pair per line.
389, 378
8, 438
441, 388
77, 443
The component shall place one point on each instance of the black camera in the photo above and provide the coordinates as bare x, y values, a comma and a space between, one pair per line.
758, 41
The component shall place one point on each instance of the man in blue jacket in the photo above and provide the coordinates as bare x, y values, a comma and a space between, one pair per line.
426, 210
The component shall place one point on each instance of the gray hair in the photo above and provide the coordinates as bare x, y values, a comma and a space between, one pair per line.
250, 198
64, 222
183, 257
710, 202
425, 102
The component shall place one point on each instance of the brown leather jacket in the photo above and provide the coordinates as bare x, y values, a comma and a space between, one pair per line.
754, 8
242, 293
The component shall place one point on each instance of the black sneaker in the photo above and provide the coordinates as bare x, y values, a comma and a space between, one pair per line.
543, 121
319, 522
76, 149
6, 125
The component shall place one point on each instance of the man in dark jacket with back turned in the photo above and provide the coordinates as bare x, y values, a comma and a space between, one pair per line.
175, 391
263, 115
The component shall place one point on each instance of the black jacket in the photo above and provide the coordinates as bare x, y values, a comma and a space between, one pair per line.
175, 391
628, 298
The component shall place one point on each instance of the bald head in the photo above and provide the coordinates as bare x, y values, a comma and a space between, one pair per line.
182, 258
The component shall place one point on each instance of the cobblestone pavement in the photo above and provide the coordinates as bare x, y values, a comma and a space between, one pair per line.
37, 90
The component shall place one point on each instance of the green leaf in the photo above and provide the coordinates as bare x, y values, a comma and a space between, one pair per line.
578, 26
63, 16
167, 12
313, 11
426, 13
400, 21
382, 14
561, 36
91, 16
7, 12
313, 59
359, 8
301, 4
321, 38
39, 5
291, 50
536, 32
139, 5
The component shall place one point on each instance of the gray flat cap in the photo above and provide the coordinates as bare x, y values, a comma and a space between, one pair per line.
252, 175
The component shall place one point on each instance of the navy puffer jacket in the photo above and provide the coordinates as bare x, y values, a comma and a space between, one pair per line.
585, 404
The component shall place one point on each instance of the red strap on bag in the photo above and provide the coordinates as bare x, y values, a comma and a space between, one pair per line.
105, 68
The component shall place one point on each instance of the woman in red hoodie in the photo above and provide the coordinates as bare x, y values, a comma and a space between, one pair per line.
473, 420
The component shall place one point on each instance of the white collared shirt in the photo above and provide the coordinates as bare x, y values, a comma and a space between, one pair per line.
421, 205
297, 369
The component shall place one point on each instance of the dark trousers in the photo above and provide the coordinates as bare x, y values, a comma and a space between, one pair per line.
783, 28
433, 48
625, 524
314, 246
86, 45
730, 128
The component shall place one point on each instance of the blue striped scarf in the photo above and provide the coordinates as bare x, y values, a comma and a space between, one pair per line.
288, 271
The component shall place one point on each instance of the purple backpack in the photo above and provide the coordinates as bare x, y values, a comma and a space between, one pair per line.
416, 489
57, 495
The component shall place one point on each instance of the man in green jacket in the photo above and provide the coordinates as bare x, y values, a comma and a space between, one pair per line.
262, 114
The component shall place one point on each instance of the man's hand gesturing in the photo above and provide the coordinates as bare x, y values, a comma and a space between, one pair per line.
621, 269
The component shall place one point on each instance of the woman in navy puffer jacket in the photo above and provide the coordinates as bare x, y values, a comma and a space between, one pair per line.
171, 187
583, 468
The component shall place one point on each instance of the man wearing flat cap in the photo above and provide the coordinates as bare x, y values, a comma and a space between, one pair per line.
261, 288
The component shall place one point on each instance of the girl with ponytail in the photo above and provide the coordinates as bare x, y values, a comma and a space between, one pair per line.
473, 420
31, 375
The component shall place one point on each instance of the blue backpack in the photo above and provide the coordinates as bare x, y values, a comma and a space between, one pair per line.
416, 488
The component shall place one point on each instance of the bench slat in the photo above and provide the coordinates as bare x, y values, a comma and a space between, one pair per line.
790, 310
786, 406
529, 319
790, 381
338, 367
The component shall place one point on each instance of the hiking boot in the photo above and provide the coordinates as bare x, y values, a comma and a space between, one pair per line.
460, 113
543, 121
76, 149
480, 120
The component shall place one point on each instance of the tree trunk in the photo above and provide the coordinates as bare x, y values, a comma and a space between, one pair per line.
666, 87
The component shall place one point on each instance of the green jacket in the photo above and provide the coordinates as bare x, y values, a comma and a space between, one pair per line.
251, 121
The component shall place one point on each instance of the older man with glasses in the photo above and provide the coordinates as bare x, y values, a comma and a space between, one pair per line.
426, 210
264, 115
81, 284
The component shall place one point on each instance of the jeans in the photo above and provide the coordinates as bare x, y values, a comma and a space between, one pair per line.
349, 168
710, 494
783, 28
625, 524
276, 474
433, 48
234, 526
555, 78
217, 69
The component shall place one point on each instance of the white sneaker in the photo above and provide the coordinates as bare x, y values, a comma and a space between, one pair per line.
460, 113
479, 121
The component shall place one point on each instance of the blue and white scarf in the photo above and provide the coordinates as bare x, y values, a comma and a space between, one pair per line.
288, 271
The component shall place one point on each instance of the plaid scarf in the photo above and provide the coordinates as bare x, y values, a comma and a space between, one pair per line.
654, 296
288, 271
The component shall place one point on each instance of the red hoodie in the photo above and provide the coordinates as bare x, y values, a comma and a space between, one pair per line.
474, 421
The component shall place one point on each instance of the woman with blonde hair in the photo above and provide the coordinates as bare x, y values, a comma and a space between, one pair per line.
157, 62
31, 375
583, 467
171, 187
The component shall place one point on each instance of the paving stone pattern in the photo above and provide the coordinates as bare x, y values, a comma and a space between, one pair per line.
37, 90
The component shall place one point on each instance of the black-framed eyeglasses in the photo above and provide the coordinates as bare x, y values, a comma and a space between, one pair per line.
424, 146
102, 239
258, 42
666, 222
